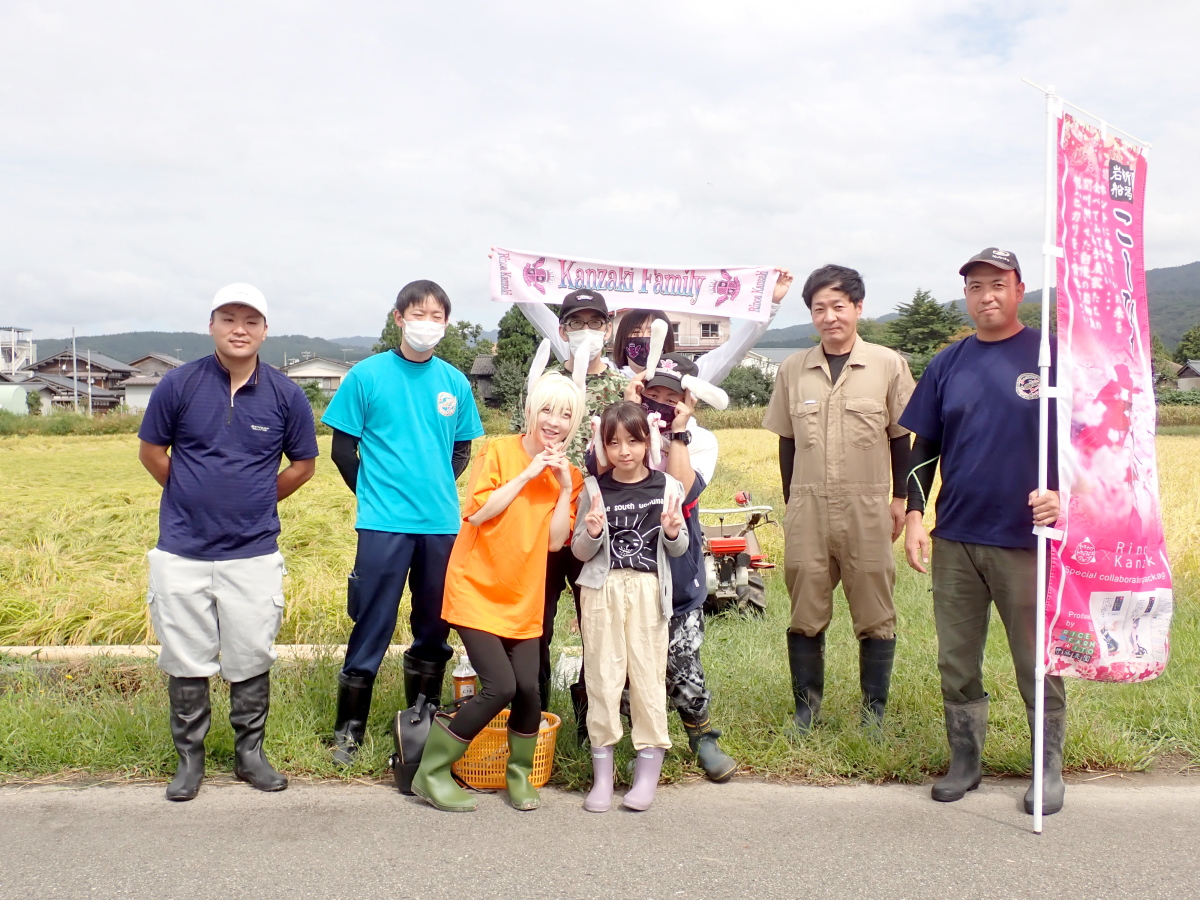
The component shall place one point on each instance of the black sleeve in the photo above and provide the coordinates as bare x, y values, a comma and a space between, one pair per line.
900, 468
922, 462
460, 457
345, 457
787, 464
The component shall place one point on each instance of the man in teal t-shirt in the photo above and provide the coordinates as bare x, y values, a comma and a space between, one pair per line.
403, 424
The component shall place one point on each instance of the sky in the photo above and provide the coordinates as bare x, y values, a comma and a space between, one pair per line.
330, 153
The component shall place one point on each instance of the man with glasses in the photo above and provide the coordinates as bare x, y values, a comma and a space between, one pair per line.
583, 323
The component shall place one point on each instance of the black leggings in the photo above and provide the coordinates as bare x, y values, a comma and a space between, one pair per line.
508, 673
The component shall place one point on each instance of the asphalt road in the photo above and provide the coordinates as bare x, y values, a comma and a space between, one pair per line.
745, 840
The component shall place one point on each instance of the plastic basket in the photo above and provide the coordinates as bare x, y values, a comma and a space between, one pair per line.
482, 766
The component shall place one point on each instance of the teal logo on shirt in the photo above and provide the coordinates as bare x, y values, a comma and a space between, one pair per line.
447, 403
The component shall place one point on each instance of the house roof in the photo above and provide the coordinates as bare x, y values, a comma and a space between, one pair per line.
99, 361
1194, 365
60, 385
161, 357
342, 364
142, 380
484, 365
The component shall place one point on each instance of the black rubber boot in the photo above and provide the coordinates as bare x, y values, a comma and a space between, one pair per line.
716, 763
579, 704
354, 705
806, 656
249, 703
875, 659
1053, 789
191, 714
423, 677
966, 730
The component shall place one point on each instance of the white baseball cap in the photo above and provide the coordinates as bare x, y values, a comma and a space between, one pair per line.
245, 294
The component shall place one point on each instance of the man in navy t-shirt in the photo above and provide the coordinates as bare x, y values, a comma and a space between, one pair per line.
216, 575
976, 409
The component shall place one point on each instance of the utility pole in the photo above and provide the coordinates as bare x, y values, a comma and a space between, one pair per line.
89, 381
74, 371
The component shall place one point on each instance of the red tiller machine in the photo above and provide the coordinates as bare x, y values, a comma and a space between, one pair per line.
731, 552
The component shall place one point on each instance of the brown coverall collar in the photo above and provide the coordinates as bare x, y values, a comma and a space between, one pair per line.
818, 360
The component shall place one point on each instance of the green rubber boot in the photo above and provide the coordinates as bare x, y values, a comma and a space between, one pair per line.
434, 781
521, 794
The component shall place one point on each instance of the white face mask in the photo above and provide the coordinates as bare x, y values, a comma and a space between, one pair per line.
423, 335
586, 337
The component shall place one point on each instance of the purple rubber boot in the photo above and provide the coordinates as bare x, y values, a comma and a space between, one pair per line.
599, 798
645, 779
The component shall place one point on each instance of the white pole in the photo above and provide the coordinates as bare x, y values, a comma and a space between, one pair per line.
1050, 253
74, 371
89, 381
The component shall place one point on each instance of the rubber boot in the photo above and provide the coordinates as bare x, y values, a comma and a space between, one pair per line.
579, 705
966, 729
599, 798
521, 792
645, 779
354, 705
875, 659
1053, 789
249, 704
423, 677
806, 657
434, 781
702, 738
191, 714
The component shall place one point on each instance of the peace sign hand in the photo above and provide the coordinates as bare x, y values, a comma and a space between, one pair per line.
672, 518
595, 517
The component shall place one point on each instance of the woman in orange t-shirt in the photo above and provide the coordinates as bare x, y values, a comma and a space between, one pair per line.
520, 507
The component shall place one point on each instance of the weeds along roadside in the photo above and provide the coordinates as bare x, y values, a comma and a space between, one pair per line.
72, 569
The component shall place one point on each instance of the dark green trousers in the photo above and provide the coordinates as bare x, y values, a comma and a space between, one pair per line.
967, 580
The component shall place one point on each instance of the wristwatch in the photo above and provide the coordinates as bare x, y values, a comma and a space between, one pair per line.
684, 437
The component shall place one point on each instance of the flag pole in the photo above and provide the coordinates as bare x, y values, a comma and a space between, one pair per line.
1050, 254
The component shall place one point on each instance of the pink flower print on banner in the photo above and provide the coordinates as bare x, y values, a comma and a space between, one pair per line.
726, 287
536, 275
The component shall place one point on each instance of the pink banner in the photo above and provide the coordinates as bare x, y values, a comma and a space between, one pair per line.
736, 292
1109, 599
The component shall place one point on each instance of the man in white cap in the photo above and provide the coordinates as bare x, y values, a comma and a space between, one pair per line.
216, 575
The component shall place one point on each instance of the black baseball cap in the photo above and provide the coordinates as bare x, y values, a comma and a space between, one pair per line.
671, 369
993, 256
582, 299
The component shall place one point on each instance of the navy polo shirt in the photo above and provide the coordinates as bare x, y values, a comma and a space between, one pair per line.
220, 498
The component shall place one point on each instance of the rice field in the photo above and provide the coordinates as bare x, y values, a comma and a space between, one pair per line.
79, 514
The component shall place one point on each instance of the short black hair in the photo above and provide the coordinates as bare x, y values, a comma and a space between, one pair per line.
416, 291
632, 321
840, 278
627, 414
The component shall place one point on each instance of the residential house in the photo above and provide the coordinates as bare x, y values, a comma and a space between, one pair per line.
104, 372
152, 367
483, 370
58, 393
1189, 376
327, 374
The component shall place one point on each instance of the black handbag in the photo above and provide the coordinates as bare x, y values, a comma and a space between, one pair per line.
410, 731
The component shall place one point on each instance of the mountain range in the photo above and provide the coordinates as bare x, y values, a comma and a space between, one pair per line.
1173, 294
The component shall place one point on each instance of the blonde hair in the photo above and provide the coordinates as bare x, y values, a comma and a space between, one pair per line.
558, 393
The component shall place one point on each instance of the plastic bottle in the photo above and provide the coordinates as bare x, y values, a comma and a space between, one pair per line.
464, 678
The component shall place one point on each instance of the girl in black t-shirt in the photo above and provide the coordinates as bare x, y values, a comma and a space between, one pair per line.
628, 521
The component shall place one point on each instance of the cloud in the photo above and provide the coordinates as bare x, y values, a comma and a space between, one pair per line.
328, 155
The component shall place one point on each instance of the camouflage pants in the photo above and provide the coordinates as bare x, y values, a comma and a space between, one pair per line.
685, 674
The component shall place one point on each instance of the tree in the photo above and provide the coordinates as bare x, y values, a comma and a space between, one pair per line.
747, 386
316, 396
516, 343
1030, 315
923, 325
874, 331
33, 403
1189, 346
389, 338
1161, 365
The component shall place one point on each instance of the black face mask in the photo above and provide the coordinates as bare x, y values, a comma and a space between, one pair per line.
667, 412
637, 350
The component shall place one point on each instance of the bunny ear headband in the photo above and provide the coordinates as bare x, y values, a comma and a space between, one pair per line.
709, 393
538, 366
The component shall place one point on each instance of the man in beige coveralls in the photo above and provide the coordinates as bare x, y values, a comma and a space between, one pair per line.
836, 409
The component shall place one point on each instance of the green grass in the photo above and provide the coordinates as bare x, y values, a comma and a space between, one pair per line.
72, 569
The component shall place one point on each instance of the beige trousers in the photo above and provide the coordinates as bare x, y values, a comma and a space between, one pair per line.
625, 635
